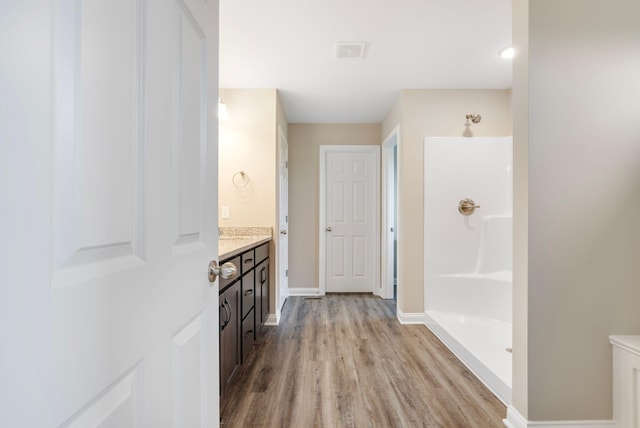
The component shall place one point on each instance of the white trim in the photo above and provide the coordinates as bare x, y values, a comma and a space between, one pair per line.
386, 278
481, 371
305, 292
516, 420
272, 320
276, 239
324, 150
629, 343
409, 318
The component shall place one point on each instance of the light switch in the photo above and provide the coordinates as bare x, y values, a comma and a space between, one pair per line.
225, 212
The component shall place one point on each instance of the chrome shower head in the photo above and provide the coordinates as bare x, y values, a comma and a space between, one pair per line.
475, 118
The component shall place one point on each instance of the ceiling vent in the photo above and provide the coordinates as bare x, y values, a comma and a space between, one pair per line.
351, 50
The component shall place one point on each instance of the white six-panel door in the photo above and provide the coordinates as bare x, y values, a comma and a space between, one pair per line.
108, 316
349, 218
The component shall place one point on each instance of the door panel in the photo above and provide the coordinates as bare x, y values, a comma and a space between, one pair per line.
188, 366
118, 406
109, 286
359, 256
338, 202
351, 216
97, 214
338, 251
190, 144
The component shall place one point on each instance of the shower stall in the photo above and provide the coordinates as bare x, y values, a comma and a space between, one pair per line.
468, 200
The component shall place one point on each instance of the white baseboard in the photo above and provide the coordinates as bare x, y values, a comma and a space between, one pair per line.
516, 420
272, 320
409, 318
304, 292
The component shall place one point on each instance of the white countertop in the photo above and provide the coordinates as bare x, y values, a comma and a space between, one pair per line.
230, 247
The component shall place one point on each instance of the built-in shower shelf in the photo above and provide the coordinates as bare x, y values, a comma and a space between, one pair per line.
626, 380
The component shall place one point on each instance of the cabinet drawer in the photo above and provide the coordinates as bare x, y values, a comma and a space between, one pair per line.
248, 260
262, 252
224, 282
248, 334
248, 291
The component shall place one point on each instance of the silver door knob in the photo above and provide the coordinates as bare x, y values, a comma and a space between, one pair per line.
329, 229
283, 232
226, 271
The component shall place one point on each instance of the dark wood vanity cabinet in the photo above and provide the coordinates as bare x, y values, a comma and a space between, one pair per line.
230, 359
244, 308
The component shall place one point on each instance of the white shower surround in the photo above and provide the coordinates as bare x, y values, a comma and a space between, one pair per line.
468, 259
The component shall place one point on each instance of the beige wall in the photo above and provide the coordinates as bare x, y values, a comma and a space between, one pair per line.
248, 142
584, 200
304, 169
520, 111
436, 113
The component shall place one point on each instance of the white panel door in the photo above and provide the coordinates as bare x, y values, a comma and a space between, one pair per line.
283, 214
108, 217
351, 219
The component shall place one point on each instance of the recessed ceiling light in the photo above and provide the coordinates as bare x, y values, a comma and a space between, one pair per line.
507, 53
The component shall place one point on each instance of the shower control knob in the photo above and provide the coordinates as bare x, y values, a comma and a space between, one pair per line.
467, 206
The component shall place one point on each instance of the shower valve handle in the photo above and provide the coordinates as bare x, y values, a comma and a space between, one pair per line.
467, 206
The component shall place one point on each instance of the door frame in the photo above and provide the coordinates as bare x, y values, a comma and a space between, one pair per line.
391, 141
324, 151
278, 306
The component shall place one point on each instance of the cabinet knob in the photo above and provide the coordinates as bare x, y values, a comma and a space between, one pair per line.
226, 271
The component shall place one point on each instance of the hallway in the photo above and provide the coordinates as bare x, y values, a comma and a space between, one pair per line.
344, 360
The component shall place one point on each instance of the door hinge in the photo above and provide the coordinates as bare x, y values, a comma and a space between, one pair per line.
286, 219
286, 164
286, 273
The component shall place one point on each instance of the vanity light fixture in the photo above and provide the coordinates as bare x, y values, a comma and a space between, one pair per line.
223, 114
507, 53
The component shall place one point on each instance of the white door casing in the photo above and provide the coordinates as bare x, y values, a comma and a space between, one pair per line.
283, 219
349, 218
109, 189
389, 213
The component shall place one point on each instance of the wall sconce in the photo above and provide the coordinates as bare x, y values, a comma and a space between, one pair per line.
223, 114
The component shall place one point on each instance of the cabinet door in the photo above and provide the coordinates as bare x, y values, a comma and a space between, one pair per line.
248, 334
258, 307
263, 278
248, 292
229, 336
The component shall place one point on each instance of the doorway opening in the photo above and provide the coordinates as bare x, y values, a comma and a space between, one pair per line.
283, 220
389, 286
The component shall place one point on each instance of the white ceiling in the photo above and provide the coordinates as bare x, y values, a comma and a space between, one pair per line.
431, 44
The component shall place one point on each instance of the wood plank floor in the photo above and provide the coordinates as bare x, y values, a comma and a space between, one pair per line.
345, 361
